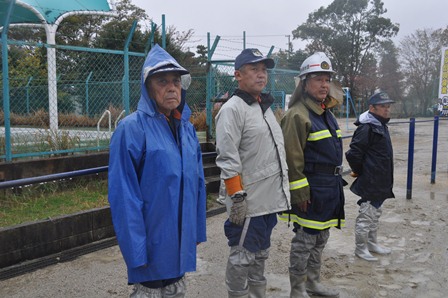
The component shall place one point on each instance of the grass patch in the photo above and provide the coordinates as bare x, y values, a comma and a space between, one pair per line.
50, 200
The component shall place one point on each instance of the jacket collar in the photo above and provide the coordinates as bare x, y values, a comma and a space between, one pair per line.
266, 99
380, 119
368, 117
313, 106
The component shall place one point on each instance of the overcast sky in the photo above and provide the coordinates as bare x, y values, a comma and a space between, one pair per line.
268, 23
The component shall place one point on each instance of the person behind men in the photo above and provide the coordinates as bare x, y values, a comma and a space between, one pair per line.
251, 156
313, 145
371, 159
156, 183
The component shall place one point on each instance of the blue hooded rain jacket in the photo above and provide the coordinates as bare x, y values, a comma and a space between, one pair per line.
156, 187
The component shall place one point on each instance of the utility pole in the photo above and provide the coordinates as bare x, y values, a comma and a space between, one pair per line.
289, 45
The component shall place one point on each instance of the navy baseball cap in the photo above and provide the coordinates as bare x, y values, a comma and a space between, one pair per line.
380, 98
249, 56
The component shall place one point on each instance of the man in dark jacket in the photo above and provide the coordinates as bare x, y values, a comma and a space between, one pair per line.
371, 159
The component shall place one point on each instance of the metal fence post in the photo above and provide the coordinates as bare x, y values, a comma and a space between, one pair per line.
410, 158
87, 93
434, 149
27, 88
126, 69
53, 112
208, 104
5, 69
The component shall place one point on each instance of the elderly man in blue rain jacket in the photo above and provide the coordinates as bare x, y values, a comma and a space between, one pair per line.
156, 182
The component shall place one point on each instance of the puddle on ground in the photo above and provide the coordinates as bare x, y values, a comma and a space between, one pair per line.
391, 218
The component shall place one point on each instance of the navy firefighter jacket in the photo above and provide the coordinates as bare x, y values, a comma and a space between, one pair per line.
313, 143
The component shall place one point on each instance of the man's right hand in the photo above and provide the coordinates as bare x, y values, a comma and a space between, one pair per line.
303, 206
353, 174
238, 210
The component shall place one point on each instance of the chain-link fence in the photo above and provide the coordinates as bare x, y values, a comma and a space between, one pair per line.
74, 110
77, 107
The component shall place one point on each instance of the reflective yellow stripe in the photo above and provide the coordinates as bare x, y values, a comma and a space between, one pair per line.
317, 225
298, 184
319, 135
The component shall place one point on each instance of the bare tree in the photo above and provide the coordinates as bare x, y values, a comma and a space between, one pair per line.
390, 78
367, 80
420, 60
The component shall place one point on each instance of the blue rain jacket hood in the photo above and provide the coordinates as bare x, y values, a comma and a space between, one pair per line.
156, 188
158, 60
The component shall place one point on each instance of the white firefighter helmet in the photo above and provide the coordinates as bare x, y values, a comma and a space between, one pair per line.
318, 62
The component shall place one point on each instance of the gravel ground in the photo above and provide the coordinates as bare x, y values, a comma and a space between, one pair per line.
415, 229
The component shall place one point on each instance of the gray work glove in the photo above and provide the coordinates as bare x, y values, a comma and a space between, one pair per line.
239, 208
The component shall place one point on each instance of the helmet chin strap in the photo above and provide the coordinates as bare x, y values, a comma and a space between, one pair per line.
320, 102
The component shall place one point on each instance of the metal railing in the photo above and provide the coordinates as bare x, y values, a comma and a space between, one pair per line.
51, 177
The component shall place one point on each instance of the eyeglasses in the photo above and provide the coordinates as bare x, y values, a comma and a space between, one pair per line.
163, 82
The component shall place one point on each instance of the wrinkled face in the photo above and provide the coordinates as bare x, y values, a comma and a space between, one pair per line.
252, 78
382, 110
318, 86
165, 89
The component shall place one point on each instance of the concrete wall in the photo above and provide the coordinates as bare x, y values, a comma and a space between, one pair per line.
38, 239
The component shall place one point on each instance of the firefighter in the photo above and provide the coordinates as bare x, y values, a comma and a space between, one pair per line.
313, 144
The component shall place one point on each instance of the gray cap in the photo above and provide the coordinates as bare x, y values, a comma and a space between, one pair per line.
380, 98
